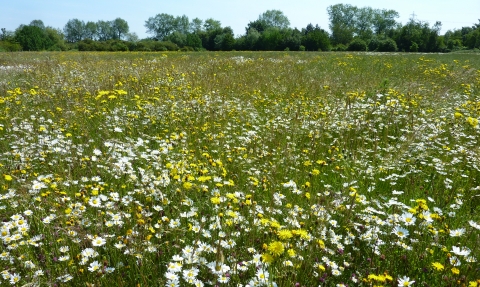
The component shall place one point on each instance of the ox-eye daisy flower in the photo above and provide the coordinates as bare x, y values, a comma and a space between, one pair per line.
405, 281
98, 241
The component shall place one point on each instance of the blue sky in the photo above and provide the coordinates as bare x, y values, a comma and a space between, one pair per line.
235, 14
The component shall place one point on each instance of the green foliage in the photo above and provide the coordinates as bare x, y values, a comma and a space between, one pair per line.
376, 27
274, 19
347, 22
472, 39
315, 39
251, 39
9, 46
119, 28
413, 47
196, 26
211, 25
357, 45
228, 41
161, 25
32, 38
341, 33
104, 30
373, 44
270, 40
387, 45
384, 21
178, 38
92, 30
420, 33
194, 41
74, 30
258, 25
340, 48
110, 45
37, 23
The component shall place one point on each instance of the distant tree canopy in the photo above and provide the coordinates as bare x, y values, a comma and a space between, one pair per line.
76, 30
351, 28
37, 37
348, 22
274, 19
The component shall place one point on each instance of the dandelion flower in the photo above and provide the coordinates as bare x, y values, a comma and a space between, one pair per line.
284, 234
455, 271
276, 248
438, 266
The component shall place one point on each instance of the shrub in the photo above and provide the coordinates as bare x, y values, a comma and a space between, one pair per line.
373, 44
340, 48
7, 46
357, 45
387, 45
187, 49
118, 46
414, 47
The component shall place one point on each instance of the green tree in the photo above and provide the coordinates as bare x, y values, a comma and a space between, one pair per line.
384, 21
120, 28
182, 24
472, 39
342, 22
104, 30
315, 39
161, 25
357, 45
194, 41
56, 39
37, 23
418, 36
211, 25
5, 34
387, 45
90, 30
178, 38
348, 22
251, 39
364, 22
32, 38
270, 40
196, 26
274, 19
228, 39
132, 37
7, 41
74, 30
291, 39
258, 25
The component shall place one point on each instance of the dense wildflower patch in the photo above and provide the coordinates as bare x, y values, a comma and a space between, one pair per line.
252, 170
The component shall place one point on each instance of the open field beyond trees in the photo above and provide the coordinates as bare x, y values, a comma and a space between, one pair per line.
239, 169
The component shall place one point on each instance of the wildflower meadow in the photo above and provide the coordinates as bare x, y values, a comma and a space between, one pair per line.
239, 169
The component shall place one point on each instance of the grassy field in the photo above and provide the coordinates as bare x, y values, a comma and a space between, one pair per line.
239, 169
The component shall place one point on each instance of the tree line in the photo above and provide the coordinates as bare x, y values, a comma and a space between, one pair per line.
352, 28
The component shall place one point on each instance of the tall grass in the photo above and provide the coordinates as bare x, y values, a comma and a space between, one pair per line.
239, 169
